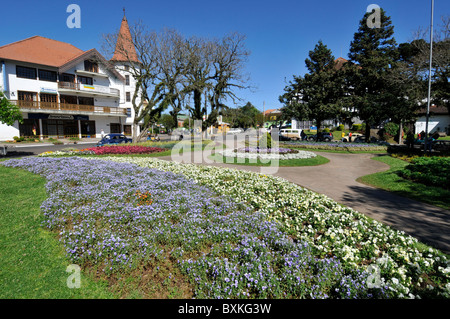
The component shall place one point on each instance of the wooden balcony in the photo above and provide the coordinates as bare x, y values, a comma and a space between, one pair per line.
61, 107
92, 89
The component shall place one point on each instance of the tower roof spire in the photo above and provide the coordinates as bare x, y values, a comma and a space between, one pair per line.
125, 50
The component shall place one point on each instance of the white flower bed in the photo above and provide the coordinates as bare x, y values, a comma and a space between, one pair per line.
267, 156
331, 228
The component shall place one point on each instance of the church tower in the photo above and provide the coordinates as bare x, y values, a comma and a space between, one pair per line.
124, 58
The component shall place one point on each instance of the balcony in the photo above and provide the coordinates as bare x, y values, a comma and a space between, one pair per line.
90, 89
65, 108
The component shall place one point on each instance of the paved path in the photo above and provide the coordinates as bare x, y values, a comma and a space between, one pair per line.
337, 180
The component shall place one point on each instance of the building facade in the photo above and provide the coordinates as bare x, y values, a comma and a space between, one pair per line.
63, 91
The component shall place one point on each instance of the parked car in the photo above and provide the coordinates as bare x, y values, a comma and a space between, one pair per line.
235, 131
354, 136
114, 138
362, 139
321, 137
291, 133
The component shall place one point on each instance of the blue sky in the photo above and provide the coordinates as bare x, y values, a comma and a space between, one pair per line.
279, 33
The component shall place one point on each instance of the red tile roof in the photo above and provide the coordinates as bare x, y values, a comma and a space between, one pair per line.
40, 50
266, 112
339, 62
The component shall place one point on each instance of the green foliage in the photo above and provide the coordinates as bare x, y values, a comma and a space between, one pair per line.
9, 113
265, 141
372, 53
340, 127
321, 90
168, 121
434, 171
391, 128
356, 127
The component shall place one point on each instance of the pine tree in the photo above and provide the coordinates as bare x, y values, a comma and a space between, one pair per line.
373, 52
317, 95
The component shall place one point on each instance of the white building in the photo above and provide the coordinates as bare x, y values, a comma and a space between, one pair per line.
63, 91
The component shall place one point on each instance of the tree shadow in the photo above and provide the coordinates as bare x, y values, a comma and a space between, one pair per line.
428, 223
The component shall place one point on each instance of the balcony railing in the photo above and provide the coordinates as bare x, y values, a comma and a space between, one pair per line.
54, 106
88, 88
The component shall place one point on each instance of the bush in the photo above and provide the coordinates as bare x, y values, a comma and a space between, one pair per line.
265, 141
340, 127
356, 127
433, 171
391, 128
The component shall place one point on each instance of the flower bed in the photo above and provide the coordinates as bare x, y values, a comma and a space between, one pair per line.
119, 216
329, 228
336, 146
267, 153
106, 150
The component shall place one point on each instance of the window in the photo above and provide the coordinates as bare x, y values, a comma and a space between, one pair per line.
24, 72
45, 75
85, 80
65, 77
127, 79
127, 68
128, 96
90, 66
52, 98
68, 99
27, 96
85, 100
128, 112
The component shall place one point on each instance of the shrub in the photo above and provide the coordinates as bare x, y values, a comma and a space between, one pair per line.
433, 171
340, 127
265, 141
391, 128
356, 127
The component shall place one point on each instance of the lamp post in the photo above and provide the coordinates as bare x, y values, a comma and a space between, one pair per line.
429, 78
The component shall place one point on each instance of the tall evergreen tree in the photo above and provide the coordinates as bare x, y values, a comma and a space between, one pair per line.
373, 52
317, 95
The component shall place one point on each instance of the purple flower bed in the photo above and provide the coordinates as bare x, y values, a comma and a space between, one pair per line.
120, 216
262, 150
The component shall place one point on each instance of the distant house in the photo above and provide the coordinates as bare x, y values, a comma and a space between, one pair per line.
438, 121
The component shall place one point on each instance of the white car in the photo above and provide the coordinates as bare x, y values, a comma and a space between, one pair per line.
235, 131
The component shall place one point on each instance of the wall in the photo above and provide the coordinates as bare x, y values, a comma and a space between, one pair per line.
436, 123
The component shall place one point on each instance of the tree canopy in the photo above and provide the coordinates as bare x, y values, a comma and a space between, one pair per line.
9, 113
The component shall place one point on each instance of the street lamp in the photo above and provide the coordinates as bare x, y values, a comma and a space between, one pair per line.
429, 78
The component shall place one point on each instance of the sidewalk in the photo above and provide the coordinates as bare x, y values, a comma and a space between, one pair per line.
337, 180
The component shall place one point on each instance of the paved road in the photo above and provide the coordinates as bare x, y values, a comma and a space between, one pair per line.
337, 180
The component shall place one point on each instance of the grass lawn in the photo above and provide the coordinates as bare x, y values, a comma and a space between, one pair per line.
391, 181
33, 263
318, 160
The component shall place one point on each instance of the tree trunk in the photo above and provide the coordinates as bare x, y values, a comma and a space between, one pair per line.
367, 133
135, 135
400, 131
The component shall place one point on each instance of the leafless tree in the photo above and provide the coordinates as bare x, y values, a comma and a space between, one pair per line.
173, 71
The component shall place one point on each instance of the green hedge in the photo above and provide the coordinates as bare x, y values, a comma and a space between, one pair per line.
433, 171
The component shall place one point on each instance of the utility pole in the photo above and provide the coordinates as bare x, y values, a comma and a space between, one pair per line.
429, 79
